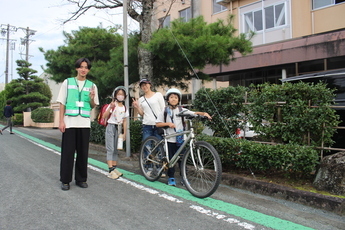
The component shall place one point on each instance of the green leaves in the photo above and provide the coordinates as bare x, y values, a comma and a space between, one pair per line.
293, 112
225, 105
297, 117
243, 154
290, 113
187, 46
42, 115
28, 91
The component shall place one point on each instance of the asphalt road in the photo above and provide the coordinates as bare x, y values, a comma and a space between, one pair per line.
31, 198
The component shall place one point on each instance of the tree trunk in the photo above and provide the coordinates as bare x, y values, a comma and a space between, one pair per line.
144, 56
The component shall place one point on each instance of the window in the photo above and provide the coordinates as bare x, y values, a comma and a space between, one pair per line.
253, 21
321, 3
324, 3
186, 14
165, 23
274, 16
217, 7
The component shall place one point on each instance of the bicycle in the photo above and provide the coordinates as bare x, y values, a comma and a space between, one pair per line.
201, 167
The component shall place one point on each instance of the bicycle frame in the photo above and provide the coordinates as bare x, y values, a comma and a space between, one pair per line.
190, 138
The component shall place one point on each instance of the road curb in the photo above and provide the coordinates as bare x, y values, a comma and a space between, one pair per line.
329, 203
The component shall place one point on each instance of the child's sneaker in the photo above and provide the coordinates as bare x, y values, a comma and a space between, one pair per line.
118, 172
149, 171
171, 181
113, 175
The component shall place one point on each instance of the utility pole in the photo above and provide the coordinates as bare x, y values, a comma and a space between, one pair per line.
26, 40
125, 63
6, 29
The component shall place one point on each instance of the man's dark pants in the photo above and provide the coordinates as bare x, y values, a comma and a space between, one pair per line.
74, 140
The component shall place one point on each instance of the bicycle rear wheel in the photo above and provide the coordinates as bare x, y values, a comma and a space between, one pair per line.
201, 169
151, 158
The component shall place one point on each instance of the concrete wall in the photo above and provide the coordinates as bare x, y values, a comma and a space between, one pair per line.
27, 121
329, 18
301, 20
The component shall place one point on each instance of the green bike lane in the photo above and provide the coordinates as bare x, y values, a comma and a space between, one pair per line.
231, 209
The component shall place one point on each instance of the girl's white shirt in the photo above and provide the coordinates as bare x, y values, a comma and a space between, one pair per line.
118, 115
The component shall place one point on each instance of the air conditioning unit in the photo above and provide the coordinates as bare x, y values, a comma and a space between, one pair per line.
223, 2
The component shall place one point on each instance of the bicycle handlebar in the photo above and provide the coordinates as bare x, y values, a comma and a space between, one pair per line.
191, 116
188, 117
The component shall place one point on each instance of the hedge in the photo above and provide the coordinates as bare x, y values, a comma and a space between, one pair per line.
42, 115
244, 154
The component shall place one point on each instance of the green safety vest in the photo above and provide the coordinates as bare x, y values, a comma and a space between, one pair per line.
73, 96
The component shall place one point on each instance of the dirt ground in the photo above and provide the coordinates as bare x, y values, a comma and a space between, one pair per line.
304, 184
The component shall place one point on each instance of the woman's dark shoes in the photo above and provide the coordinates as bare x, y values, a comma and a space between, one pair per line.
81, 184
64, 187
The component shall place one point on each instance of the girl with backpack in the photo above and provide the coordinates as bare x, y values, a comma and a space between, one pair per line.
115, 114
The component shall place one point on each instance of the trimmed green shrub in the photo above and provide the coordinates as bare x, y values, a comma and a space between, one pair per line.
97, 134
290, 113
3, 99
136, 135
18, 119
294, 113
243, 154
42, 115
225, 105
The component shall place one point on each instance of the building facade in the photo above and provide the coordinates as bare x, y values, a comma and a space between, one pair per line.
292, 37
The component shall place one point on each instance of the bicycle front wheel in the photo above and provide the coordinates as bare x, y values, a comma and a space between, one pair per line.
201, 169
151, 158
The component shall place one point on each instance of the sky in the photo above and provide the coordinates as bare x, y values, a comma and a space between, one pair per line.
46, 18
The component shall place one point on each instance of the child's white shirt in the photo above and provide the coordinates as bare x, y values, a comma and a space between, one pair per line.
176, 120
117, 116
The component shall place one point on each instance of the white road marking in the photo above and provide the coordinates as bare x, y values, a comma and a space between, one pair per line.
222, 217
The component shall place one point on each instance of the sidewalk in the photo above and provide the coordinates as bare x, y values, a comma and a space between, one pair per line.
98, 152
